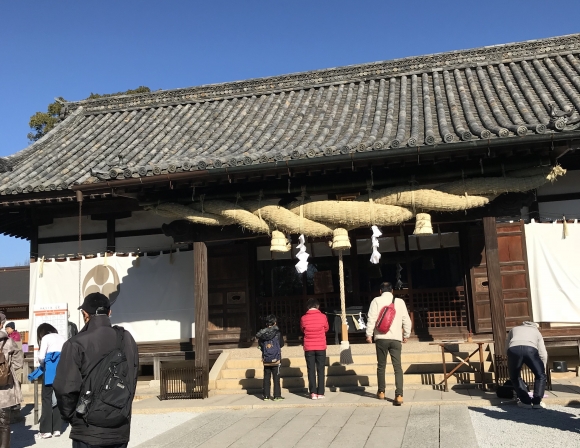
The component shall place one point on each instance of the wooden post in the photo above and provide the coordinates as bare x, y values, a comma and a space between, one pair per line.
35, 385
495, 285
200, 290
111, 244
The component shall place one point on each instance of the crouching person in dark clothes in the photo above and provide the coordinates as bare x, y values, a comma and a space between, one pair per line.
270, 341
525, 345
99, 355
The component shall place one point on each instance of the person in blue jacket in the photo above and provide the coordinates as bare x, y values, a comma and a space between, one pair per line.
50, 346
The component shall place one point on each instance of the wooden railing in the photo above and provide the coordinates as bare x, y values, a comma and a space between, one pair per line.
288, 310
429, 308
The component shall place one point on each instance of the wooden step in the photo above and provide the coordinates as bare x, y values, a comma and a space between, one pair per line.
350, 380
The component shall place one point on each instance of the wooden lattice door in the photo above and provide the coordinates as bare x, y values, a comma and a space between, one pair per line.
228, 293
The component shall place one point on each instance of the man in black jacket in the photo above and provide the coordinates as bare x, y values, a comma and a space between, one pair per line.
79, 355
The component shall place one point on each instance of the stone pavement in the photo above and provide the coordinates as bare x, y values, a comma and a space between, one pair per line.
566, 392
322, 427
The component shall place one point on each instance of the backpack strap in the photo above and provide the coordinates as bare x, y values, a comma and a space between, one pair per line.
120, 336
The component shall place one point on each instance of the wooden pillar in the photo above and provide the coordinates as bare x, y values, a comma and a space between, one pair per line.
495, 286
200, 291
111, 244
34, 243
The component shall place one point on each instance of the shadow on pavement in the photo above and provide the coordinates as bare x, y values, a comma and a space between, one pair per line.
548, 418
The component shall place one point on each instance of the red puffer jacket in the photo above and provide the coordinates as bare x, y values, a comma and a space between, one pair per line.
314, 325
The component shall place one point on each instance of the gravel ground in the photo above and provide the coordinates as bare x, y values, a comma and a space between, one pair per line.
143, 428
509, 426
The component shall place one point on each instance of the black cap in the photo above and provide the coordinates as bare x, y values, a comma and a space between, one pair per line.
96, 303
10, 325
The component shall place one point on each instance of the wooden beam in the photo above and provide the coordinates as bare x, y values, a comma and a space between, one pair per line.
495, 285
111, 244
200, 288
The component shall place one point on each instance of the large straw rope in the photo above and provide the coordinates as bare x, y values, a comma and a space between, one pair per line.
352, 214
425, 199
495, 185
181, 211
235, 213
283, 219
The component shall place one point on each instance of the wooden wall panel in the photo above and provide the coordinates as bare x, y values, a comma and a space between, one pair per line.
229, 313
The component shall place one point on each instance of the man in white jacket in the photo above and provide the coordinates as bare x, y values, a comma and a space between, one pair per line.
390, 342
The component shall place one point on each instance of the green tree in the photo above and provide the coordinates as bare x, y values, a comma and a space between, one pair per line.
42, 122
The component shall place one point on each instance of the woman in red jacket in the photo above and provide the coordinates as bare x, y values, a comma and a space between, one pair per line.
314, 325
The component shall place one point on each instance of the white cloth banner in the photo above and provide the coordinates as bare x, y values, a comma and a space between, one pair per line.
554, 272
153, 295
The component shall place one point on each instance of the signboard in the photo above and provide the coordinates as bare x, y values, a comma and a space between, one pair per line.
54, 314
323, 282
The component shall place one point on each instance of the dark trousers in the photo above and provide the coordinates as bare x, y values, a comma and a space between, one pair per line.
79, 444
315, 363
393, 348
517, 357
274, 373
50, 420
5, 428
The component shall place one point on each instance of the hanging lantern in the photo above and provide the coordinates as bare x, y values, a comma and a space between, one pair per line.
340, 239
279, 242
423, 224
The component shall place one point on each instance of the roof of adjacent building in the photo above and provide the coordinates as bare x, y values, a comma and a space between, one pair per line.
507, 92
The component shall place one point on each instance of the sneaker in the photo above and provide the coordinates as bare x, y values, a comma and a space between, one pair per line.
381, 395
398, 400
524, 405
266, 398
540, 405
56, 434
277, 398
313, 397
319, 397
42, 435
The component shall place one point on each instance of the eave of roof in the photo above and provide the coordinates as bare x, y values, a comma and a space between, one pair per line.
506, 94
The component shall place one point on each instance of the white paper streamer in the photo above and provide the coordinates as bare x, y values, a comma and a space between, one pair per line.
375, 256
361, 321
302, 256
399, 284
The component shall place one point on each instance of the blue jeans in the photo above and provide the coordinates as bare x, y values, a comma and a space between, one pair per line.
517, 357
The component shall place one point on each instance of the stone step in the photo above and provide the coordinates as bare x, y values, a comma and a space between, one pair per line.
370, 389
256, 363
354, 369
350, 381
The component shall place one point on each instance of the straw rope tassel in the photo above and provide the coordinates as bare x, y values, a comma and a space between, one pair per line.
345, 353
564, 228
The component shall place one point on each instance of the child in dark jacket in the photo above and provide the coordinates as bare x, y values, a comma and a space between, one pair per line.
271, 342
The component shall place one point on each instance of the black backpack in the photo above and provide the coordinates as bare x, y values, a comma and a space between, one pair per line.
107, 391
271, 351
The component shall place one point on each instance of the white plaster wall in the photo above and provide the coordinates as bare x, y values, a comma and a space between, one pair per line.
140, 221
71, 248
70, 226
557, 209
143, 243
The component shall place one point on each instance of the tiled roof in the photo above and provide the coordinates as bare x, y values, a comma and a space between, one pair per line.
500, 92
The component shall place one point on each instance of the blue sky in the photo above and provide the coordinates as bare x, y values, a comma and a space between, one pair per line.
71, 48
